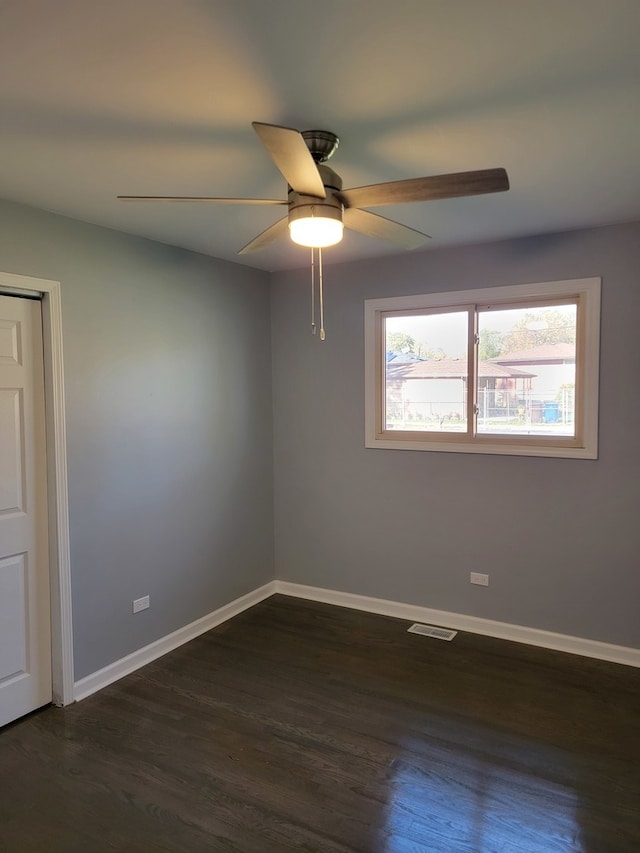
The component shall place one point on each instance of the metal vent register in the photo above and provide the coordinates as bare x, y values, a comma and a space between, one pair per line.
432, 631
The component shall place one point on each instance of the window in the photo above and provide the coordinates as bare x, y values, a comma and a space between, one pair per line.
510, 370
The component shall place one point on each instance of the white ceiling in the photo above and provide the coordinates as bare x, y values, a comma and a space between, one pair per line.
107, 97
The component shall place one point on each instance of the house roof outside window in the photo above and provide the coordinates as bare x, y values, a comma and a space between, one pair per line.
452, 368
544, 354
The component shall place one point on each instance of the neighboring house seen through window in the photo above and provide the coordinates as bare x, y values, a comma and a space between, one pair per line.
501, 370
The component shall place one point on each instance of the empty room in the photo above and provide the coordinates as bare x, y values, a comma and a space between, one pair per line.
319, 486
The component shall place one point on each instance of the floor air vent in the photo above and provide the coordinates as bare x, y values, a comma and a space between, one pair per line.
432, 631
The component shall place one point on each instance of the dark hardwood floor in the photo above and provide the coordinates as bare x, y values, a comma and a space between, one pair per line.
301, 726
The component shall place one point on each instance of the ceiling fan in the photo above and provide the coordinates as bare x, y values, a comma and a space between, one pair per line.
318, 207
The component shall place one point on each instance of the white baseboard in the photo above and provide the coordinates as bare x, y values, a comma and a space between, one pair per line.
502, 630
118, 669
474, 624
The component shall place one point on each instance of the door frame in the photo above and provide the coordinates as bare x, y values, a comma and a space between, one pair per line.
57, 487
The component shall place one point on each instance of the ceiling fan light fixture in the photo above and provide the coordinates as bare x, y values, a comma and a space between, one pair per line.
316, 228
316, 201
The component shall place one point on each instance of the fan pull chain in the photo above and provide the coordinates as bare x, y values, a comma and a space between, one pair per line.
321, 294
313, 294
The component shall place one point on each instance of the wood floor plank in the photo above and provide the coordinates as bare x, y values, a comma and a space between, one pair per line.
306, 727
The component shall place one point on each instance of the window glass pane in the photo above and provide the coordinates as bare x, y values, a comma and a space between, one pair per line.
527, 370
426, 371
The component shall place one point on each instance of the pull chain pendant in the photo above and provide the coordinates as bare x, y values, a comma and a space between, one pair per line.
313, 293
320, 294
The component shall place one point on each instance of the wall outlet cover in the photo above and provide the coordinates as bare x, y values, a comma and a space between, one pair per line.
141, 604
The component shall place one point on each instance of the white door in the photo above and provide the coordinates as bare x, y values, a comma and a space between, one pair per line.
25, 632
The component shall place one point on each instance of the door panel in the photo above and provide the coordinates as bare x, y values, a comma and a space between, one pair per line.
25, 632
14, 641
11, 450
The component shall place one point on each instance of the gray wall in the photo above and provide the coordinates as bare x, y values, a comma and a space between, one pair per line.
168, 383
560, 538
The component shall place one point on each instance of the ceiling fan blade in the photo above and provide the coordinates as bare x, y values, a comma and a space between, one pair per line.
428, 189
289, 152
267, 237
386, 229
195, 198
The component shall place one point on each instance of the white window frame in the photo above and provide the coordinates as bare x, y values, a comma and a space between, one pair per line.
585, 443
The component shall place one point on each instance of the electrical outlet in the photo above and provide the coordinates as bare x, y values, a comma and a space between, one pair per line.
141, 604
479, 578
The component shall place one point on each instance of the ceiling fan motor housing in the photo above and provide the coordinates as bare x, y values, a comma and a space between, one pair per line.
331, 207
321, 144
